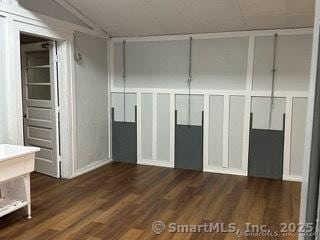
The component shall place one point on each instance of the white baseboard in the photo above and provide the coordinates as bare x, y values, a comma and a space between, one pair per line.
155, 163
292, 178
222, 170
149, 162
92, 167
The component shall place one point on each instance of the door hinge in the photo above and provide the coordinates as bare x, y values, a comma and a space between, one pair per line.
57, 58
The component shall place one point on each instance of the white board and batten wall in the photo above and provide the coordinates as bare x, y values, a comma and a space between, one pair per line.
231, 77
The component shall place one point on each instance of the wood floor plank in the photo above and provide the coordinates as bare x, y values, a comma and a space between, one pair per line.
122, 201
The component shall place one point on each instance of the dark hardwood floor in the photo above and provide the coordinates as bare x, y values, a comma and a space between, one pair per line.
121, 201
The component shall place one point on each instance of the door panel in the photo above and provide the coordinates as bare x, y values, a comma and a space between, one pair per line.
40, 133
39, 95
39, 104
45, 154
38, 75
39, 123
39, 113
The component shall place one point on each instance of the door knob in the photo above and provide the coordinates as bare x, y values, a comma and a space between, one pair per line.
24, 116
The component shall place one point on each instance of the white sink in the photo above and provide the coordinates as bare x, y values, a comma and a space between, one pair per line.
16, 164
16, 161
8, 151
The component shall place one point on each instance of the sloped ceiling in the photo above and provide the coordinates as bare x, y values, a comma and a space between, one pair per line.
158, 17
51, 9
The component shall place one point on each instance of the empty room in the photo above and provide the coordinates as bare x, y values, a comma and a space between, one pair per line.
149, 119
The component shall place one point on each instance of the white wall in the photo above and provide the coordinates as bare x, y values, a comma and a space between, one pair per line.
292, 62
91, 100
3, 86
152, 64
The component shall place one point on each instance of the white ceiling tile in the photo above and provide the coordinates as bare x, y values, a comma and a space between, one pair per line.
267, 22
224, 25
263, 7
158, 17
299, 7
302, 20
215, 9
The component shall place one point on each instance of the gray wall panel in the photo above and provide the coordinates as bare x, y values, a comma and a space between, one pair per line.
263, 61
216, 131
299, 112
152, 64
220, 63
124, 142
189, 147
146, 125
293, 62
293, 59
266, 153
163, 127
236, 131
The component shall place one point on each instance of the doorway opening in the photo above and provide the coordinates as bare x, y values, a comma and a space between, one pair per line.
40, 101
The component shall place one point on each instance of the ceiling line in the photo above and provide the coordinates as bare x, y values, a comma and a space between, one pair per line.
76, 12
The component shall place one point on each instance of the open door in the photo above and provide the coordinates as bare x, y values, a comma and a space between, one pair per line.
39, 92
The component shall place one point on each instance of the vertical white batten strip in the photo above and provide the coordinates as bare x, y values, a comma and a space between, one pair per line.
8, 73
246, 134
139, 134
206, 108
247, 107
287, 137
172, 128
250, 63
112, 66
110, 72
155, 126
226, 114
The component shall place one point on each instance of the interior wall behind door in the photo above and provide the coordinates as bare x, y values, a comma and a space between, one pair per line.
91, 93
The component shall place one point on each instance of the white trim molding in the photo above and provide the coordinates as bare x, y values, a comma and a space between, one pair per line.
292, 178
157, 163
295, 31
222, 170
92, 167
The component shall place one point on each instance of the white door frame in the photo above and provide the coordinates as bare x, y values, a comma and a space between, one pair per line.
66, 87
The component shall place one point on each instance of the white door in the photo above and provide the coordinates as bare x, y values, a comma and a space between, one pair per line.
39, 84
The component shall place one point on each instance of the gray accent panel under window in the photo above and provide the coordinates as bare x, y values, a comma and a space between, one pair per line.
124, 141
266, 153
188, 147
